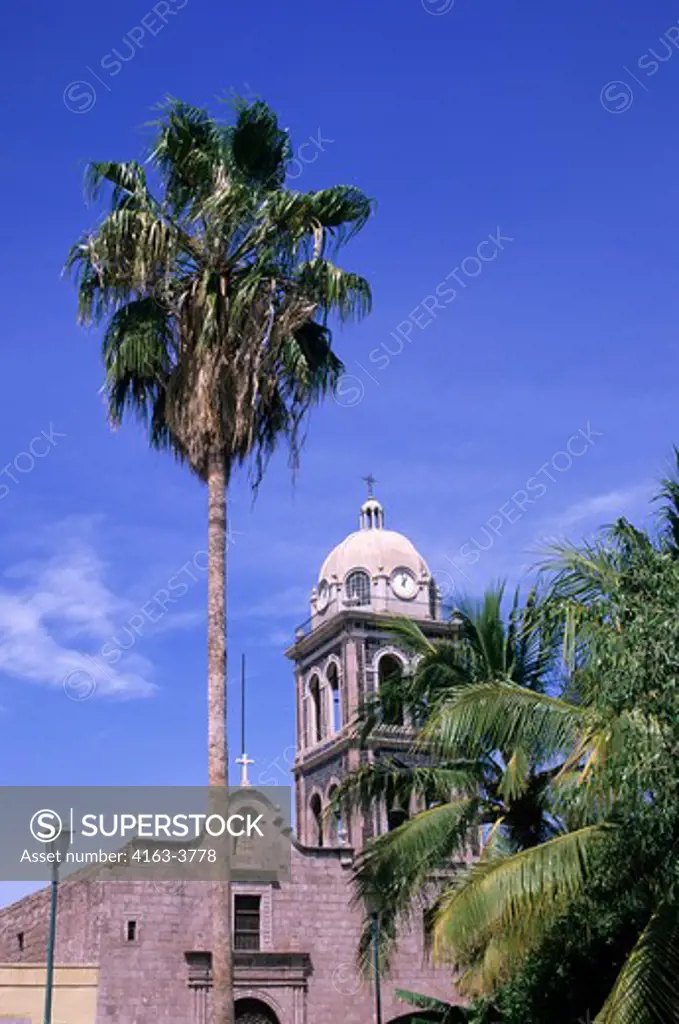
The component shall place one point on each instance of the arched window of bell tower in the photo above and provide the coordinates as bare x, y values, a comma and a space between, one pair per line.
396, 806
397, 815
316, 809
390, 682
334, 697
337, 825
316, 718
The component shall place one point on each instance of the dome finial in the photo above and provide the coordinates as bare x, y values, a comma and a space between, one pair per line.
372, 513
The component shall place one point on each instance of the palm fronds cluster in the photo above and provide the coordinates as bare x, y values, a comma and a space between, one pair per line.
218, 285
553, 728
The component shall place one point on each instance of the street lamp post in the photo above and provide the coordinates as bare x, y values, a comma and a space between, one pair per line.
59, 847
376, 965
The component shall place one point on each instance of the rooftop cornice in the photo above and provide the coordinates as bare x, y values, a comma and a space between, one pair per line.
339, 623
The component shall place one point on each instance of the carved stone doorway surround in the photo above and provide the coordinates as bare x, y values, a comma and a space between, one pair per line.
278, 981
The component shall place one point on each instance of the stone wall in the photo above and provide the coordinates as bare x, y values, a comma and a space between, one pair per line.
146, 980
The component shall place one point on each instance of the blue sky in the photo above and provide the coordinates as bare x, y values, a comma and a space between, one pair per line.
552, 124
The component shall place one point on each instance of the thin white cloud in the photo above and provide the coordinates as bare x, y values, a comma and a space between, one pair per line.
281, 604
179, 620
278, 638
516, 554
600, 508
54, 613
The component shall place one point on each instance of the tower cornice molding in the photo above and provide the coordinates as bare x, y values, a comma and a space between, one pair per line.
341, 623
327, 750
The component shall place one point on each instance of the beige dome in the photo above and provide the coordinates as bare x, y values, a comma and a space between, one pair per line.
377, 551
372, 548
374, 570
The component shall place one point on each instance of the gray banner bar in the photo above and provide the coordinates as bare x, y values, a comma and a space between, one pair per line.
138, 833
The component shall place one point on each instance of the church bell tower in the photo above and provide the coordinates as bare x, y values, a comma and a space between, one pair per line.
341, 654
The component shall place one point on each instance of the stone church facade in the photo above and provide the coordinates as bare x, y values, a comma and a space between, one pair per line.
147, 944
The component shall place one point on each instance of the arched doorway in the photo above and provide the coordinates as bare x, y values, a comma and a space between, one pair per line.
254, 1011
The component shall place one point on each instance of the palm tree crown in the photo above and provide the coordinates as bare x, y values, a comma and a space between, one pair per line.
219, 288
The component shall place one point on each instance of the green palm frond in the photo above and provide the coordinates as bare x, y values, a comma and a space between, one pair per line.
128, 181
585, 574
515, 775
394, 871
393, 780
495, 958
308, 362
590, 574
669, 510
136, 351
483, 629
646, 990
188, 152
413, 693
331, 216
607, 739
501, 716
516, 898
410, 634
533, 639
446, 1013
440, 666
347, 296
261, 148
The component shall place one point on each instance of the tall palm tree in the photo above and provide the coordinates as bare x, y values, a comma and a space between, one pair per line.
462, 788
218, 287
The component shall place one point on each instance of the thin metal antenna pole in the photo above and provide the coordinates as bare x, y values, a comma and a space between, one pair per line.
242, 704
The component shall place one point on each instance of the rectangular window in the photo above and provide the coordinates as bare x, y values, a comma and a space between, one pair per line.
246, 922
131, 931
20, 941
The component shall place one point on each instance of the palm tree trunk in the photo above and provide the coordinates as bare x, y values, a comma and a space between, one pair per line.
222, 956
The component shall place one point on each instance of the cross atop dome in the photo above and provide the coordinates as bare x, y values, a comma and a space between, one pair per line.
370, 482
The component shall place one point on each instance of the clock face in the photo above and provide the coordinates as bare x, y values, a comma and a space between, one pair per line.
323, 598
403, 584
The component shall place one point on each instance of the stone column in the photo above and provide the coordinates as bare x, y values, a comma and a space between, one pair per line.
351, 676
